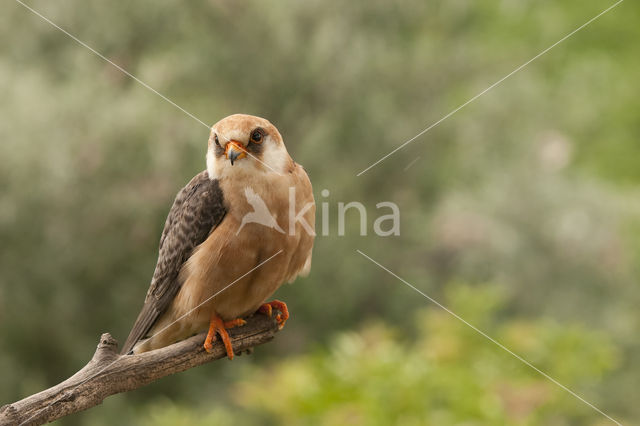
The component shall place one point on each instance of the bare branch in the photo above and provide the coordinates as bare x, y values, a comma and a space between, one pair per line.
109, 373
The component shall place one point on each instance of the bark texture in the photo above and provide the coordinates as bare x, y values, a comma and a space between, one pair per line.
108, 373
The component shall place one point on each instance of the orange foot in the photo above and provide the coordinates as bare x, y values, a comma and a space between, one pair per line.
267, 309
217, 325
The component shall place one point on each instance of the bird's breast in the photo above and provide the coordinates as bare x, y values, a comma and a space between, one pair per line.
252, 251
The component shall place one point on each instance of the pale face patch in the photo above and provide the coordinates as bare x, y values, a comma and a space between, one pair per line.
274, 158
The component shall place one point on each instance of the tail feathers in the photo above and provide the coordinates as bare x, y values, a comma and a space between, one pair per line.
141, 327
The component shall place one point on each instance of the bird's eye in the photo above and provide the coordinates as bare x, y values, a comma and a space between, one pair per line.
217, 141
257, 135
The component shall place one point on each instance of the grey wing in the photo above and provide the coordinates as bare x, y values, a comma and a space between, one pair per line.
196, 211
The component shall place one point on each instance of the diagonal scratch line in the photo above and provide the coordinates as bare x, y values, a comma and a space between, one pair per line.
130, 75
485, 335
113, 63
490, 87
411, 163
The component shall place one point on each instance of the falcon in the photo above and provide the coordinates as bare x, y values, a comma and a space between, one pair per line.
217, 264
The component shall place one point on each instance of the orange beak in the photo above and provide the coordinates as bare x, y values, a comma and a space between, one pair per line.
234, 150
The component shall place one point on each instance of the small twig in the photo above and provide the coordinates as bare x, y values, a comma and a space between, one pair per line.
109, 373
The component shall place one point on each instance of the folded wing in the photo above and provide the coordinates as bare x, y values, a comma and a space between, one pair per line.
197, 210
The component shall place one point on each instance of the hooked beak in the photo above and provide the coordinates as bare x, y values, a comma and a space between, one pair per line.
234, 151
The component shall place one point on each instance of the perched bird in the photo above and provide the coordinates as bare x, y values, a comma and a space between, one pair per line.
212, 267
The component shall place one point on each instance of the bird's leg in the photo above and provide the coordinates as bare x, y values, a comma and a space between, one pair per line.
216, 325
267, 309
211, 335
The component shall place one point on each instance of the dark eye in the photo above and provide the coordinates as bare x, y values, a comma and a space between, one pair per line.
217, 141
256, 136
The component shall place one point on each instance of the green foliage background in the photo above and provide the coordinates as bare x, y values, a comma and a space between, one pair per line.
520, 213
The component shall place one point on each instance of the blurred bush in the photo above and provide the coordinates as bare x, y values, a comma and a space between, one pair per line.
440, 372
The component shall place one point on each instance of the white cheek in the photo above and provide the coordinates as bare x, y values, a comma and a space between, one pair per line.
275, 156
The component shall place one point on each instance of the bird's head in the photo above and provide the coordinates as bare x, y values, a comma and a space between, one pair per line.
243, 143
